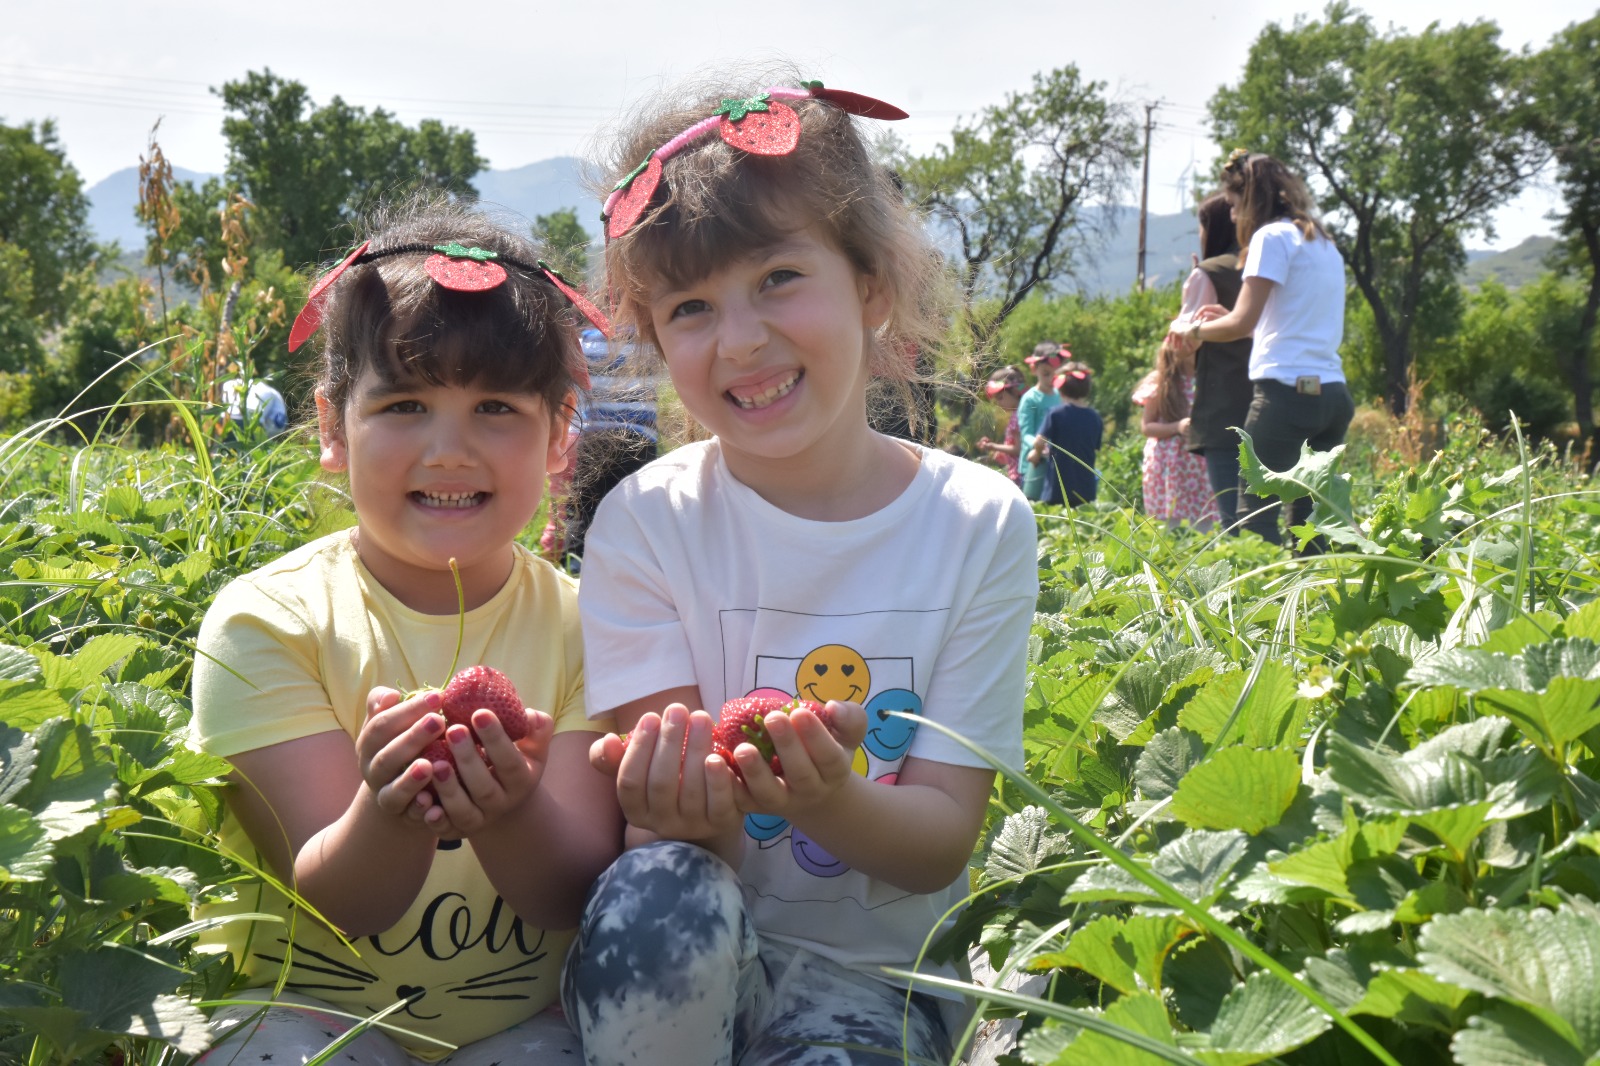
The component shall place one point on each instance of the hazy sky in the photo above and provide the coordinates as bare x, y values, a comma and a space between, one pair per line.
540, 79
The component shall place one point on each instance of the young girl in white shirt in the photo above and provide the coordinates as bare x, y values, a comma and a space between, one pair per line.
797, 552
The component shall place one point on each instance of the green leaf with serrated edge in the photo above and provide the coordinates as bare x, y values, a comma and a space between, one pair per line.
1567, 709
27, 706
1126, 954
1169, 755
1316, 475
100, 654
1198, 864
1142, 1013
1455, 827
18, 665
1261, 1019
1238, 788
17, 757
1506, 1036
1026, 841
1543, 961
1413, 997
1271, 715
1418, 781
25, 847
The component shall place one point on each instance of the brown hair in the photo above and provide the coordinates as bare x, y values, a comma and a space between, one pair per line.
1075, 381
391, 316
717, 203
1266, 191
1217, 233
1167, 402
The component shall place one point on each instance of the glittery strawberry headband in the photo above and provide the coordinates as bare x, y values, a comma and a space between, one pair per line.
455, 267
760, 124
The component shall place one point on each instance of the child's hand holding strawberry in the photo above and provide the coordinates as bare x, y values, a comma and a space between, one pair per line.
671, 783
389, 755
813, 748
492, 773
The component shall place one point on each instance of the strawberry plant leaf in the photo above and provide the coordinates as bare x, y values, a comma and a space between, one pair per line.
17, 757
1198, 864
1270, 717
101, 654
25, 846
17, 665
1261, 1019
1026, 842
1169, 755
1541, 960
1506, 1036
1126, 954
122, 990
1143, 1014
1238, 788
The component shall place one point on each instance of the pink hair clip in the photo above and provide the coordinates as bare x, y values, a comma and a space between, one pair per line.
456, 267
760, 124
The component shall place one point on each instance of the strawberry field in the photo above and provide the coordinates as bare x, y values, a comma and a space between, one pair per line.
1341, 809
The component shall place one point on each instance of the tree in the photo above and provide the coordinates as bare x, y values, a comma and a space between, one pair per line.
1409, 142
1567, 120
311, 170
565, 240
1010, 189
43, 214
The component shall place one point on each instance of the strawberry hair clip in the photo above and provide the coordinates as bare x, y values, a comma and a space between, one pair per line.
455, 267
761, 125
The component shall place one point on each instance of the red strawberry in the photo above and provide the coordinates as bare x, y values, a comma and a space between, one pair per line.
743, 721
484, 686
774, 131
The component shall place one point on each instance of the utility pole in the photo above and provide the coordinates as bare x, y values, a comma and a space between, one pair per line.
1144, 189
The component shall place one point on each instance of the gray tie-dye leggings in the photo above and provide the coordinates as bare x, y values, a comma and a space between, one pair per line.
669, 968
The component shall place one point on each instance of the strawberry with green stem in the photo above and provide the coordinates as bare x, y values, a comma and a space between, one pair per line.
472, 688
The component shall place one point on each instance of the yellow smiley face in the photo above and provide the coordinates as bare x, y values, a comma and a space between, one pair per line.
834, 672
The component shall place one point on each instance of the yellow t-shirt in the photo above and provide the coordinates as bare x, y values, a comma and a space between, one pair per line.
292, 650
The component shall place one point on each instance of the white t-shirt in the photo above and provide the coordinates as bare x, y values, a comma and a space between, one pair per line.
1302, 324
691, 578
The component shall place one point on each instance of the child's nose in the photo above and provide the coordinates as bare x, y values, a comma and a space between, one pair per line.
741, 331
450, 444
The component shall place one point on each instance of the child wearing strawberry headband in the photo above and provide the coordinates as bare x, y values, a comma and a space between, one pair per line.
756, 245
1004, 389
1045, 360
447, 369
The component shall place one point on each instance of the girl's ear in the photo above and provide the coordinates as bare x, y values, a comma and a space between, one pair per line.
563, 442
330, 434
876, 300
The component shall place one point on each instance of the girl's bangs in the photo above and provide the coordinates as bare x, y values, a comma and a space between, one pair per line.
456, 339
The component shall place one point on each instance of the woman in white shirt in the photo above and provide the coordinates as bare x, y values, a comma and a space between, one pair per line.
1292, 306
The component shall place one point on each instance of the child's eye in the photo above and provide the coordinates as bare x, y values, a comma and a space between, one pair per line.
495, 407
404, 407
781, 275
690, 307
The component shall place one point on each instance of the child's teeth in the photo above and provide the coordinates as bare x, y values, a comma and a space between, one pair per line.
751, 403
451, 499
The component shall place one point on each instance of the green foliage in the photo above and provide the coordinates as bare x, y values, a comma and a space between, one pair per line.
1010, 188
566, 241
310, 170
45, 215
1408, 142
1334, 809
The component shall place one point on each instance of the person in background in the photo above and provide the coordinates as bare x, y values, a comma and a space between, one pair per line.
257, 403
616, 435
1004, 389
1173, 478
1044, 361
1069, 441
1222, 389
1292, 305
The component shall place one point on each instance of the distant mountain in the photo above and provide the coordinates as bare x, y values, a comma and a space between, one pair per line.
112, 202
1512, 267
522, 193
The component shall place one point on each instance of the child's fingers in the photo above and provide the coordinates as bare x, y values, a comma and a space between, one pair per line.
454, 800
633, 771
399, 794
847, 722
400, 750
606, 753
665, 787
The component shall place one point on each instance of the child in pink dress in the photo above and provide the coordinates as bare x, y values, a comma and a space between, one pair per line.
1005, 388
1174, 479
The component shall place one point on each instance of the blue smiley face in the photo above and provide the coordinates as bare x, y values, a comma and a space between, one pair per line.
889, 737
764, 827
813, 858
